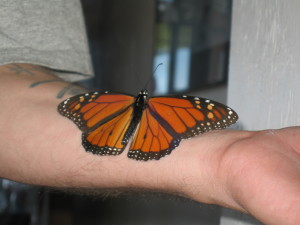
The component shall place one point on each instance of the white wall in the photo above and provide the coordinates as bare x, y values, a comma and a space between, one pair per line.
264, 74
264, 84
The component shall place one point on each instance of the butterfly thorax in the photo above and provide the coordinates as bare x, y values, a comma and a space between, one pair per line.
141, 100
139, 105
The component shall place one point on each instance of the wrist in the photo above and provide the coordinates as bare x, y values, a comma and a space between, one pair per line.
211, 167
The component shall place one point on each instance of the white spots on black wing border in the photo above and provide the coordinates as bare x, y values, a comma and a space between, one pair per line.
62, 107
206, 106
73, 114
97, 150
145, 156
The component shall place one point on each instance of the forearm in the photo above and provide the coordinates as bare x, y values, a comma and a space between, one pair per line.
38, 146
247, 171
31, 130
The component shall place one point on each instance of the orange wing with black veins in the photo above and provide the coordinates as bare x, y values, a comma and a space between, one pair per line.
103, 118
168, 120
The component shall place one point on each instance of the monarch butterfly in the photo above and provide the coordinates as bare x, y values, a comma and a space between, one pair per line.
108, 120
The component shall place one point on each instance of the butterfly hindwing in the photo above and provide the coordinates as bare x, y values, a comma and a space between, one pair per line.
152, 140
107, 139
103, 118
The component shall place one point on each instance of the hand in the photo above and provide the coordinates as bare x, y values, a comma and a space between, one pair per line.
261, 174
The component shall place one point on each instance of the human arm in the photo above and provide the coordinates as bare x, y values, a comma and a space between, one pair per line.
254, 172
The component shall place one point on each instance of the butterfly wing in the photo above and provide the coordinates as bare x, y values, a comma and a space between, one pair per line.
167, 120
152, 139
103, 118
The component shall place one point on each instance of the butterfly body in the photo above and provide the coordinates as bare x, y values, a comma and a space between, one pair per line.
138, 108
157, 124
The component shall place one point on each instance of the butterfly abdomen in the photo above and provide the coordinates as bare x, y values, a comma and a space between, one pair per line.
131, 129
138, 108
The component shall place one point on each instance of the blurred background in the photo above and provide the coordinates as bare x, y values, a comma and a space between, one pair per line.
128, 39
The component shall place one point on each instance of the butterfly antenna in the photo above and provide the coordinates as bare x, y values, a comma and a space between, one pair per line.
150, 78
157, 67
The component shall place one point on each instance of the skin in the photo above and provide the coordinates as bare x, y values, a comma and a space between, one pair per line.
254, 172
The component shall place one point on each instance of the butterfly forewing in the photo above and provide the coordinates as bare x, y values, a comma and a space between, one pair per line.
89, 109
188, 116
